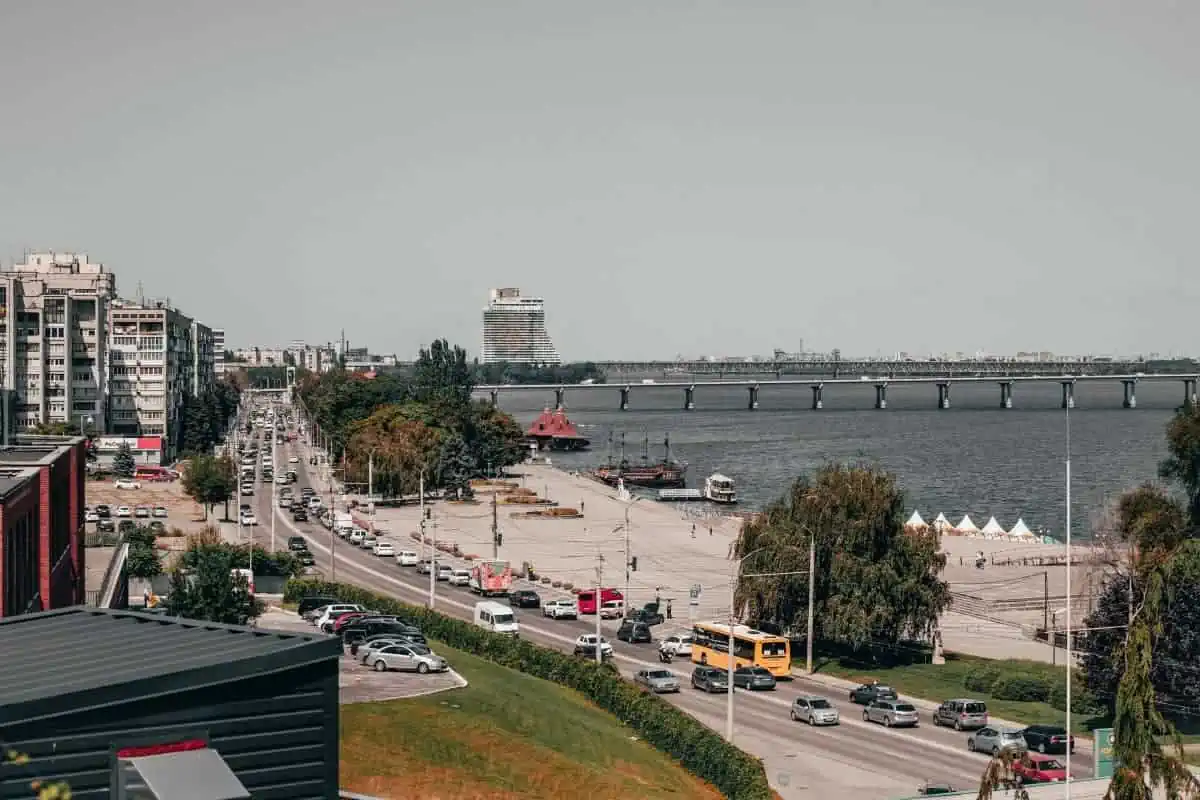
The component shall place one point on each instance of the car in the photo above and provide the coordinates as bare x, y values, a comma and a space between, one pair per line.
589, 640
249, 519
1039, 768
124, 511
106, 525
612, 609
562, 608
1048, 739
892, 713
649, 615
710, 679
992, 740
679, 645
307, 491
368, 541
753, 678
142, 512
126, 483
247, 488
126, 526
406, 558
157, 526
284, 501
634, 632
361, 648
588, 652
334, 608
299, 515
444, 571
305, 557
160, 512
961, 714
245, 508
658, 681
356, 536
384, 549
103, 510
459, 577
815, 710
930, 789
297, 543
311, 606
91, 516
524, 598
410, 657
350, 618
867, 693
294, 460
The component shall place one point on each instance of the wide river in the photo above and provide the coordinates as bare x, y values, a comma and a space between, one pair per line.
972, 458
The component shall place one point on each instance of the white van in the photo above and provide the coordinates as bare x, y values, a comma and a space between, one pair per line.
496, 617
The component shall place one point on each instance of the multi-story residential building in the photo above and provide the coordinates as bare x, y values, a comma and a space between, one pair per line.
218, 335
314, 358
204, 366
53, 319
514, 330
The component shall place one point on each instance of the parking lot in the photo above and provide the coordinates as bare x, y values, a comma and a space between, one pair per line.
359, 683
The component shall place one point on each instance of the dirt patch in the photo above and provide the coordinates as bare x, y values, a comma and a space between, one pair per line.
182, 512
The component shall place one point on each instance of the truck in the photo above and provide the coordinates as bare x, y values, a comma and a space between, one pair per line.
490, 578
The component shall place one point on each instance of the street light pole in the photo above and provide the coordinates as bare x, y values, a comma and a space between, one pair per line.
274, 491
812, 582
1070, 662
599, 594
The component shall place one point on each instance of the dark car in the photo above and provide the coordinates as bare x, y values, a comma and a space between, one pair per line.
710, 679
588, 651
305, 557
312, 603
297, 543
870, 692
157, 526
106, 525
246, 507
634, 632
753, 678
1047, 739
647, 616
524, 598
103, 511
126, 526
300, 515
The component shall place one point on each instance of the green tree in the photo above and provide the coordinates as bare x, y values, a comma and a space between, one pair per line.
209, 480
443, 380
197, 426
56, 429
456, 466
123, 465
1182, 464
211, 591
874, 581
494, 437
143, 560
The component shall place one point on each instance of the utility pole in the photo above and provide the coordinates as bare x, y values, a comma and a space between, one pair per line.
421, 507
599, 594
371, 488
812, 583
495, 531
433, 563
627, 558
274, 491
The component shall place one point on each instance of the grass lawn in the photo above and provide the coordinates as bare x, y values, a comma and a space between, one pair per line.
506, 736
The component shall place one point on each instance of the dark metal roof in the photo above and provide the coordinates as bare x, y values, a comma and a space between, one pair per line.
73, 659
14, 478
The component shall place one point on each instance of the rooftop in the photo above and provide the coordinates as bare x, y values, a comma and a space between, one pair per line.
80, 658
14, 478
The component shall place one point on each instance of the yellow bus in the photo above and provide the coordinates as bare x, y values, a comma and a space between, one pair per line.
710, 646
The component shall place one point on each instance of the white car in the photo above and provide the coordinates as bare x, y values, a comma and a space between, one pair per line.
460, 577
324, 620
294, 460
126, 483
563, 608
249, 519
384, 549
406, 558
357, 535
91, 516
368, 541
589, 640
678, 645
124, 511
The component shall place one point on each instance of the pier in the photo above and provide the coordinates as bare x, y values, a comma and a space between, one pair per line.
1007, 387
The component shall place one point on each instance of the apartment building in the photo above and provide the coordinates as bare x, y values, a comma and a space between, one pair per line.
53, 339
514, 330
218, 351
314, 358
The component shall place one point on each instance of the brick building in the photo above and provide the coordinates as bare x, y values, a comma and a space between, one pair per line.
41, 523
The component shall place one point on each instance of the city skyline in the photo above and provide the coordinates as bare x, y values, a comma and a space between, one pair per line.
857, 176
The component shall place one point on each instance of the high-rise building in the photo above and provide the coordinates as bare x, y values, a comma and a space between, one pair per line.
514, 330
218, 350
53, 342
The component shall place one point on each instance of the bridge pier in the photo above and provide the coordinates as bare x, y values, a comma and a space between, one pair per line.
558, 398
943, 395
689, 398
1068, 400
1006, 388
1189, 391
495, 398
753, 405
818, 403
624, 398
881, 395
1130, 400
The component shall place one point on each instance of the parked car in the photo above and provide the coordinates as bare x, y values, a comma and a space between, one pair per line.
992, 740
141, 512
102, 510
328, 612
158, 527
867, 693
589, 640
753, 678
307, 606
106, 525
1039, 768
459, 577
409, 657
634, 632
249, 519
91, 516
356, 536
612, 609
126, 483
710, 679
563, 608
815, 710
961, 714
647, 615
657, 680
384, 549
524, 598
424, 566
124, 511
161, 512
892, 713
1048, 739
369, 540
402, 634
679, 645
406, 558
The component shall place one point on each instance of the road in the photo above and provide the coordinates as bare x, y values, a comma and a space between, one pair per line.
856, 758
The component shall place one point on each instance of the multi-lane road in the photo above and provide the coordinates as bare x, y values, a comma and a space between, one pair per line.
856, 759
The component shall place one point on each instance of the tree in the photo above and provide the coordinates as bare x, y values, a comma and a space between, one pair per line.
494, 437
442, 380
123, 464
143, 560
456, 466
875, 582
1182, 464
211, 591
56, 429
403, 447
197, 426
209, 480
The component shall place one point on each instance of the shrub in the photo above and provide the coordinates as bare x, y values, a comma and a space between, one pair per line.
1027, 688
1082, 701
700, 750
981, 679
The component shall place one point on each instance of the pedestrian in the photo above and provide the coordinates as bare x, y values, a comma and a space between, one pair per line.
581, 506
710, 530
693, 530
146, 597
668, 609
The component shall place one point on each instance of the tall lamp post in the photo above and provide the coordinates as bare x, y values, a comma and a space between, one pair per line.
1070, 661
733, 582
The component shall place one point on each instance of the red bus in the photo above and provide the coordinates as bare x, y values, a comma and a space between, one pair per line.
149, 472
586, 599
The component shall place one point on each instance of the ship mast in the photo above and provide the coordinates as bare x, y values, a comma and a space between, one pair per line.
645, 447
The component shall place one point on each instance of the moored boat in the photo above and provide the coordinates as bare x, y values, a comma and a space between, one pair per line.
665, 474
719, 488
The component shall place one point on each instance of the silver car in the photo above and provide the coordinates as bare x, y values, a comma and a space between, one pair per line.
814, 710
891, 713
992, 740
408, 657
657, 680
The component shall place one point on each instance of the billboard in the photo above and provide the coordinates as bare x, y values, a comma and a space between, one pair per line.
136, 443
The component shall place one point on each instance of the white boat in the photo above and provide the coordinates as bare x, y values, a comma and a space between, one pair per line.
719, 489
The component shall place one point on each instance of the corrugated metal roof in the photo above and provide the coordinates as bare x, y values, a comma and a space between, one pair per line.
72, 659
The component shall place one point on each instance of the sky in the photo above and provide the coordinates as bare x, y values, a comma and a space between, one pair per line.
674, 178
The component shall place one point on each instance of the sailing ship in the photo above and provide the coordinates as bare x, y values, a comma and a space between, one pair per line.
665, 474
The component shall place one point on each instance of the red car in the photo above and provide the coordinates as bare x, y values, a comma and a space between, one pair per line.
1039, 768
345, 619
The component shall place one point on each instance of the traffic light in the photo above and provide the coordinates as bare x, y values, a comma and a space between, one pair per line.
428, 511
633, 563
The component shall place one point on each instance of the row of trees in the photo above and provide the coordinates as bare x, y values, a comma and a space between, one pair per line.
519, 374
206, 417
422, 423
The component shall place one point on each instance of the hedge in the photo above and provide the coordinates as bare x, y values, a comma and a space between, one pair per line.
981, 679
699, 749
1027, 688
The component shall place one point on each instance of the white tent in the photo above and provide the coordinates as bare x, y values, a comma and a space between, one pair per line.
993, 528
1021, 531
941, 523
915, 521
965, 525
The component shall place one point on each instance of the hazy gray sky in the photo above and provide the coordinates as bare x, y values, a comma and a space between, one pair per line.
673, 177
